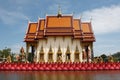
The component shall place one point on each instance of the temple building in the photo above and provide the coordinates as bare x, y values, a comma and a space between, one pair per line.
59, 38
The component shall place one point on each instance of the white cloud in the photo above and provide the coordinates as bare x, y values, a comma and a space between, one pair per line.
104, 19
12, 17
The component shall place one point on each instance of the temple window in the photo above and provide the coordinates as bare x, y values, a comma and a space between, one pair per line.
68, 54
59, 55
50, 55
68, 57
41, 55
76, 55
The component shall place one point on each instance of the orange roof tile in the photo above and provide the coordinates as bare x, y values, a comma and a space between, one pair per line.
60, 26
42, 24
85, 27
32, 27
54, 21
76, 24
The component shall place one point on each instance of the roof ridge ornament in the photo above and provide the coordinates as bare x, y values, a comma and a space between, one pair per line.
59, 11
90, 19
38, 18
73, 13
28, 20
81, 16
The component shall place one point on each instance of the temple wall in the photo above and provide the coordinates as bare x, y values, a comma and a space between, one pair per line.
55, 43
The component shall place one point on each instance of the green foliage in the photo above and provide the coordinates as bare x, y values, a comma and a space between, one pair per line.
116, 56
5, 52
104, 57
12, 57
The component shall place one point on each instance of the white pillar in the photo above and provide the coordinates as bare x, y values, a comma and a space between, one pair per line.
38, 56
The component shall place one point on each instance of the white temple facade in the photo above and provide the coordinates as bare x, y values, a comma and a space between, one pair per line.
59, 38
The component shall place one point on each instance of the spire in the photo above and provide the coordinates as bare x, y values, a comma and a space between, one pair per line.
38, 18
81, 16
59, 11
91, 19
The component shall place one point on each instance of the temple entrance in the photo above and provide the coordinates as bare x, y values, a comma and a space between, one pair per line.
31, 54
50, 55
41, 55
59, 55
68, 55
86, 51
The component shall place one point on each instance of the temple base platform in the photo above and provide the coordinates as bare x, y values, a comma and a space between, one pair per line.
62, 66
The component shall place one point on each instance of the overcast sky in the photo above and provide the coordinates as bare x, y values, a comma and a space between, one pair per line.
14, 16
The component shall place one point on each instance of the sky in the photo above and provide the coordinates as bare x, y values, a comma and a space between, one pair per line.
103, 14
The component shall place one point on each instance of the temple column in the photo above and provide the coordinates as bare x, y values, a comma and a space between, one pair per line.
35, 52
72, 57
89, 54
92, 53
32, 53
84, 55
38, 56
27, 51
80, 56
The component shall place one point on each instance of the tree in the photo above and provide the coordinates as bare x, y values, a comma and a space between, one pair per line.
116, 56
5, 52
104, 57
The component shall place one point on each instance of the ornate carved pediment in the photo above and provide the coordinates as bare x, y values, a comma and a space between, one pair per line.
59, 51
68, 50
77, 50
50, 51
41, 51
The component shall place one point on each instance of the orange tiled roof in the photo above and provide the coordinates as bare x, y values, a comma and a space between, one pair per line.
32, 27
76, 24
60, 26
87, 32
42, 24
86, 27
54, 21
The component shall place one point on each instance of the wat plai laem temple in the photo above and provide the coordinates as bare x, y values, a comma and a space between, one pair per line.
59, 38
59, 43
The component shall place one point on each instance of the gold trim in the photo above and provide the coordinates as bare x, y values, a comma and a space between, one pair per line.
50, 55
59, 55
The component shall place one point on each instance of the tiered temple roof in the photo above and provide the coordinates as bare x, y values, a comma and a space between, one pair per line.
59, 25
